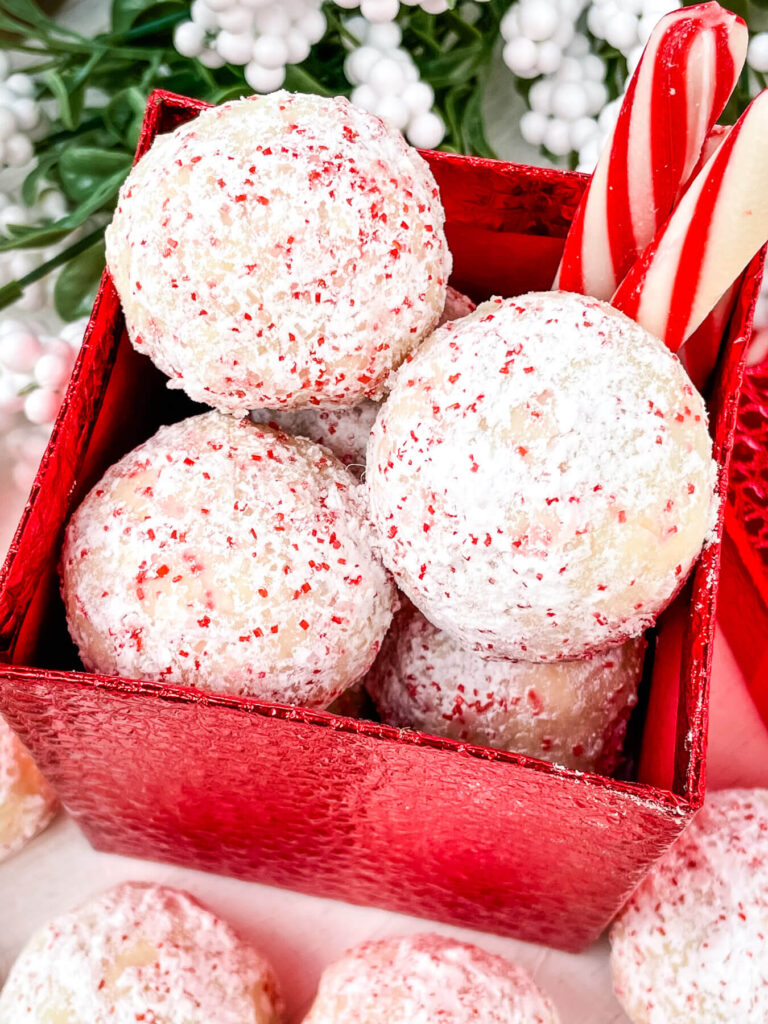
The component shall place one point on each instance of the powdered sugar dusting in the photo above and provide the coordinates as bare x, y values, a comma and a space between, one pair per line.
424, 979
27, 802
345, 430
541, 477
279, 251
140, 953
573, 713
691, 946
231, 557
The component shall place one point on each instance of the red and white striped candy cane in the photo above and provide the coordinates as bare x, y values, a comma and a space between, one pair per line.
679, 89
716, 229
699, 354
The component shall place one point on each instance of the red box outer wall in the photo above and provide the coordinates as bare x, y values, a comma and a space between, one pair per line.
312, 801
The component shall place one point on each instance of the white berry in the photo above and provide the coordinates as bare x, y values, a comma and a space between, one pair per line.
189, 39
264, 80
237, 48
379, 10
42, 405
426, 131
19, 351
757, 54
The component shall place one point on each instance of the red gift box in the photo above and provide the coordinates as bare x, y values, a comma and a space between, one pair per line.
315, 801
744, 605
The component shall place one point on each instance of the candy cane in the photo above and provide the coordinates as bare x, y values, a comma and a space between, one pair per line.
716, 229
699, 354
679, 88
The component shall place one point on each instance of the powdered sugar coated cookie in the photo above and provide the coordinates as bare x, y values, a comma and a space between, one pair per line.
541, 477
279, 251
571, 712
346, 429
27, 802
424, 979
140, 952
227, 556
691, 945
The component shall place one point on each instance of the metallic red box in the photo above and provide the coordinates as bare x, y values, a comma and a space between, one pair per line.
744, 606
313, 801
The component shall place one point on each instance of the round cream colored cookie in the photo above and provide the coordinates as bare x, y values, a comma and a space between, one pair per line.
231, 557
27, 802
425, 979
541, 477
691, 945
346, 429
573, 713
279, 251
140, 952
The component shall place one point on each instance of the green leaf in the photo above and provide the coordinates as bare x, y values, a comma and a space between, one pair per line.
459, 65
125, 13
123, 110
24, 10
29, 188
299, 80
23, 237
473, 124
76, 285
84, 168
70, 99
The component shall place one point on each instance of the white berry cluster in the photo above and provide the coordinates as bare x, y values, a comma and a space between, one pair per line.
16, 263
35, 366
565, 104
537, 34
626, 24
21, 117
553, 41
263, 36
387, 83
380, 11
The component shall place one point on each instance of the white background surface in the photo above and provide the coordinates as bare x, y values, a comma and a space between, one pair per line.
301, 934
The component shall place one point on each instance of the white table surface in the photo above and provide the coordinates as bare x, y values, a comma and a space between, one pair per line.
301, 934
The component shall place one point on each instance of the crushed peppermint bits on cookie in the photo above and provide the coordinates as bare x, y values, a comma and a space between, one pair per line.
541, 477
279, 251
140, 952
691, 945
573, 713
423, 979
231, 557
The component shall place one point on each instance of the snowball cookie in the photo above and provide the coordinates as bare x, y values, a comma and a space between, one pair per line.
571, 712
139, 952
691, 946
345, 430
541, 477
231, 557
282, 250
424, 979
27, 802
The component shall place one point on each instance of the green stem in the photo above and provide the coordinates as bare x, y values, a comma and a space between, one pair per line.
15, 289
82, 75
158, 25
